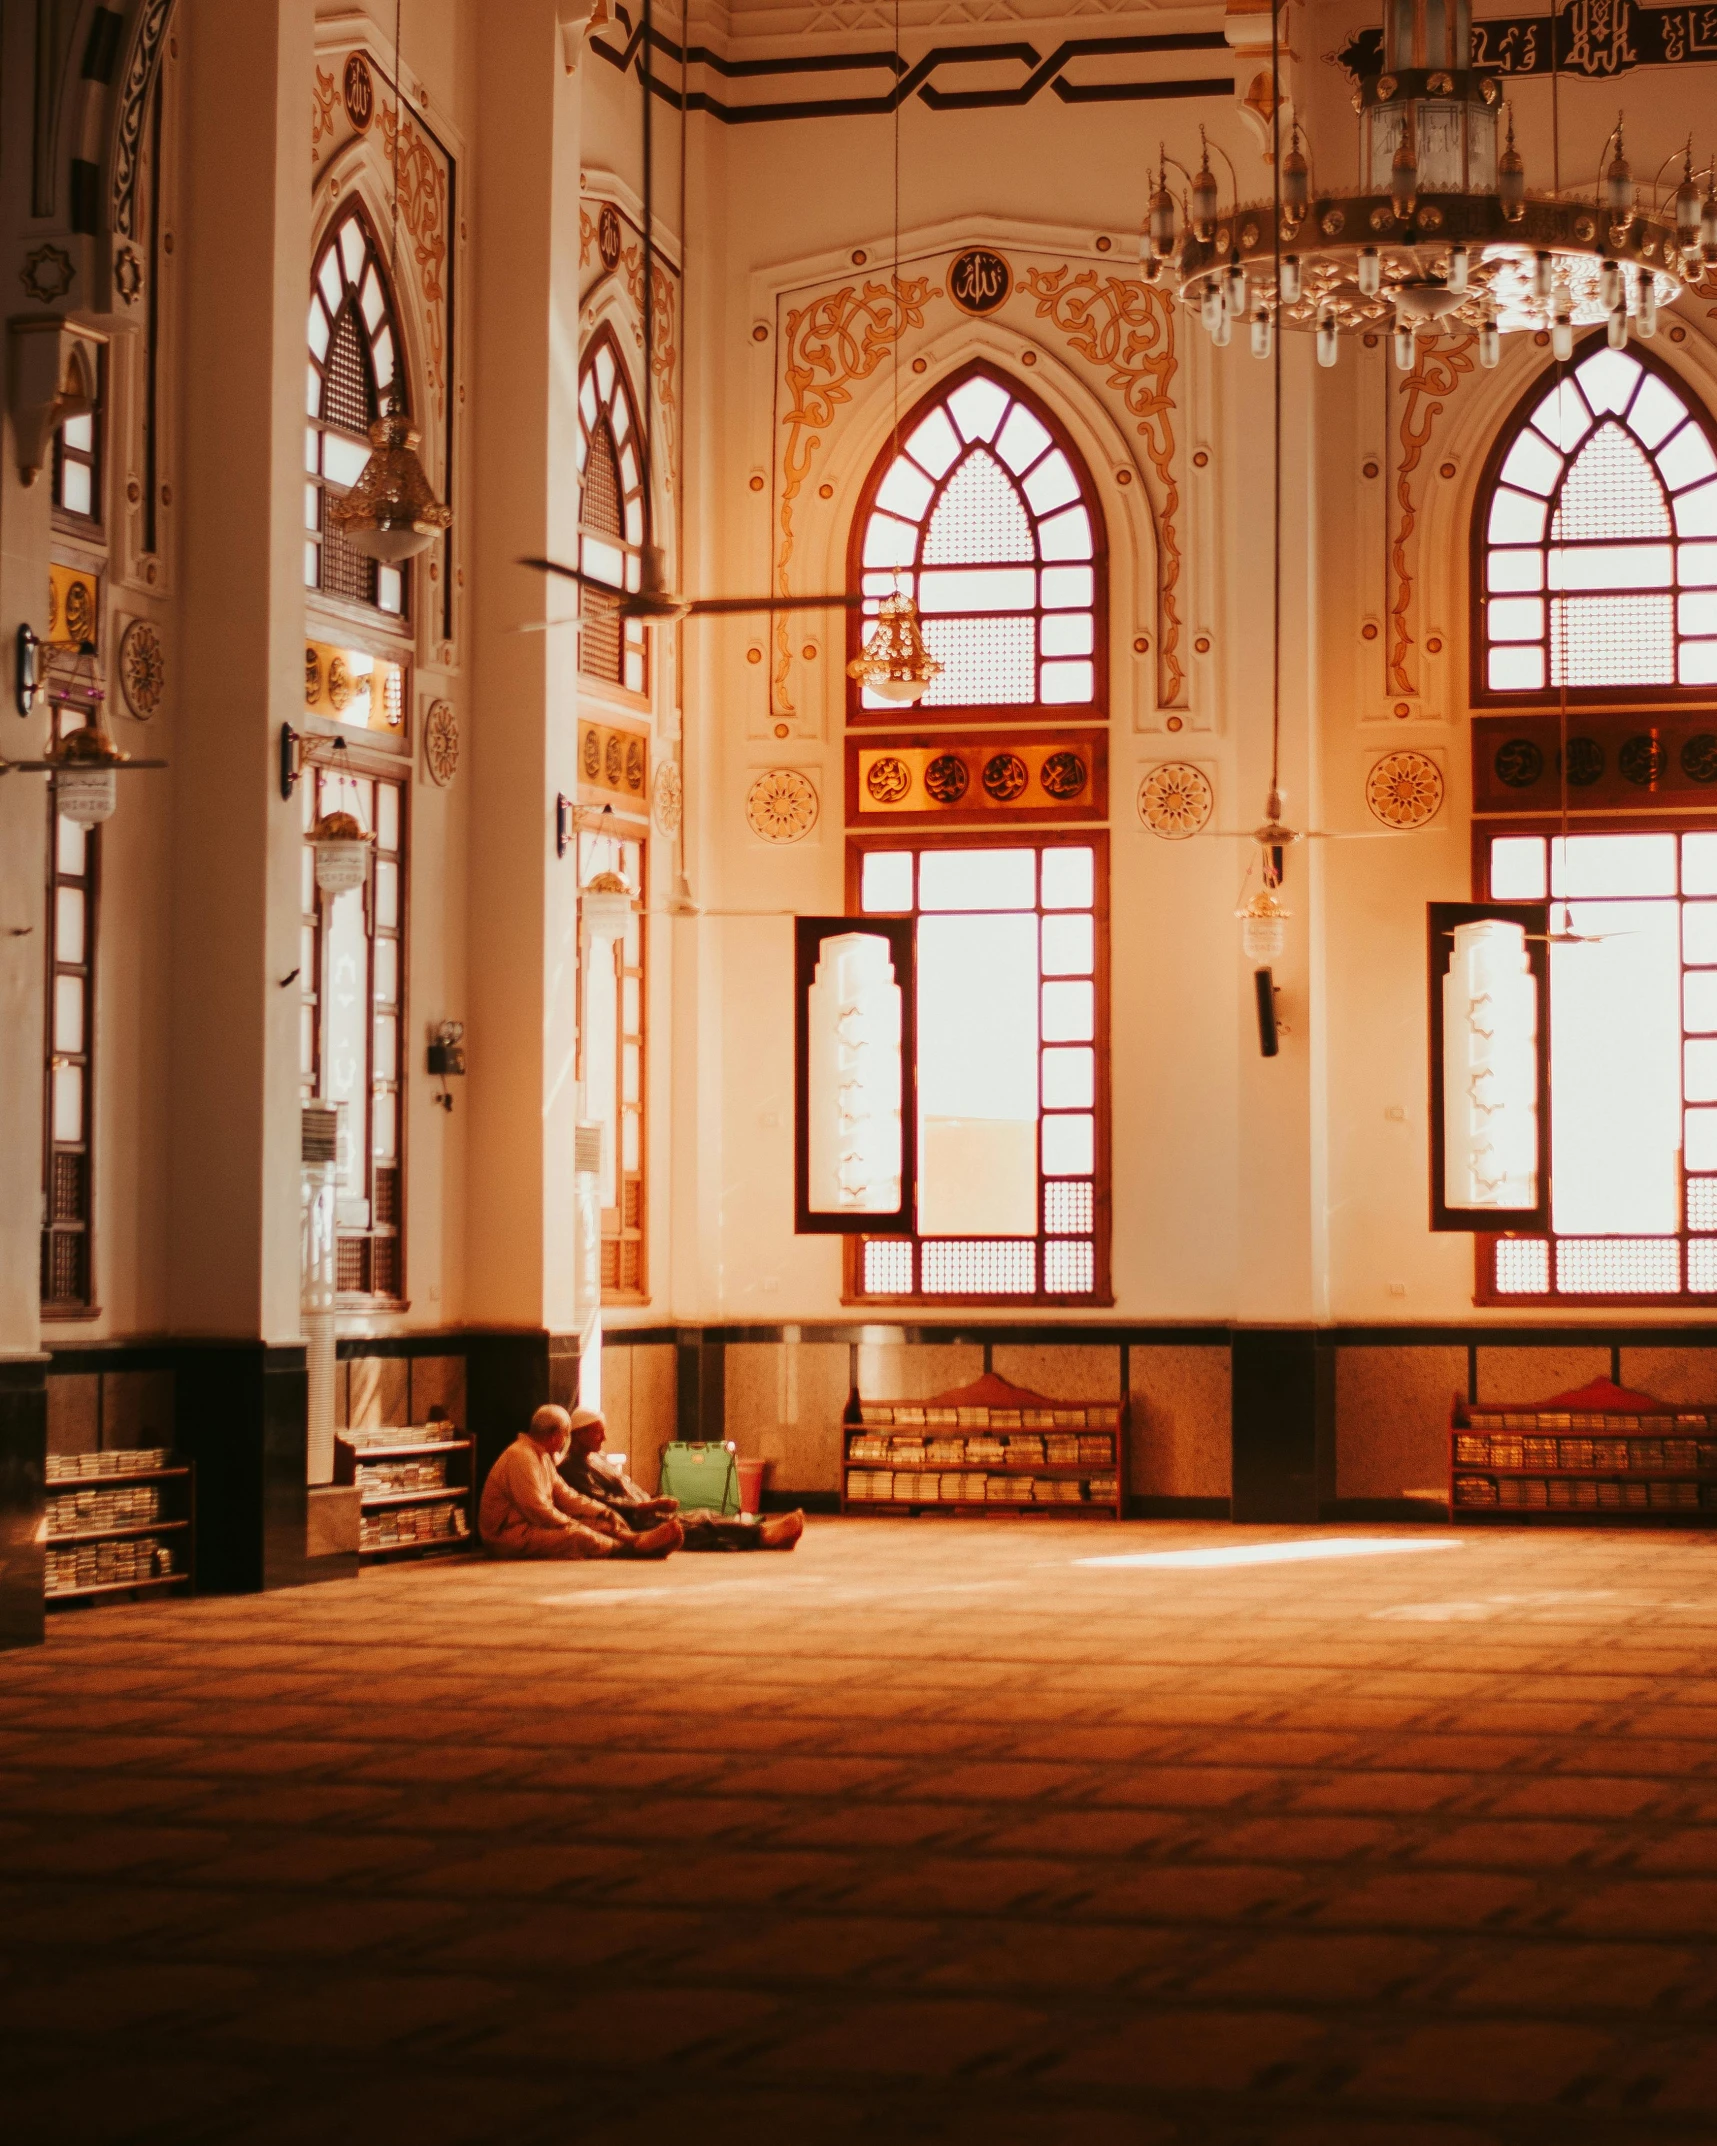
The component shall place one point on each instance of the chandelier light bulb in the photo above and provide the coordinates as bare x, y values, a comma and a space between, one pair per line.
1645, 306
1610, 284
1402, 339
1204, 200
1161, 220
1263, 927
1404, 181
1562, 329
1490, 344
1234, 291
1616, 329
1543, 277
1687, 204
1619, 181
1708, 218
1210, 304
1288, 284
1263, 332
1511, 176
1328, 338
1369, 273
1221, 334
1460, 262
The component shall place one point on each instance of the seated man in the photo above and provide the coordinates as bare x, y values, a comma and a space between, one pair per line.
605, 1481
527, 1511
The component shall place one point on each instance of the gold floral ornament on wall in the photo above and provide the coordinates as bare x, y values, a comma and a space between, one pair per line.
781, 805
441, 743
1405, 790
1176, 800
142, 668
669, 798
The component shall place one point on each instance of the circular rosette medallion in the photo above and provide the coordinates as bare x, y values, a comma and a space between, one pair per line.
1176, 800
1063, 776
670, 797
142, 669
781, 805
945, 779
1005, 777
441, 743
1405, 789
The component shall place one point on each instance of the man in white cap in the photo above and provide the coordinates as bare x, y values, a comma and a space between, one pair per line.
592, 1475
527, 1511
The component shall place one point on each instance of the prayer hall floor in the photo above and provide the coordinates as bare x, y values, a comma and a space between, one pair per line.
929, 1831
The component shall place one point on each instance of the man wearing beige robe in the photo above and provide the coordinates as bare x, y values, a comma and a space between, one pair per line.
527, 1511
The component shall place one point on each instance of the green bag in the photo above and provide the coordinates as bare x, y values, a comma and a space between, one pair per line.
704, 1478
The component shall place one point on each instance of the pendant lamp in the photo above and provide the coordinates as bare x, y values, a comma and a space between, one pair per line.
896, 665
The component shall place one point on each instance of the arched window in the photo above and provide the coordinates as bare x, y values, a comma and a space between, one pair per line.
613, 518
1597, 540
988, 518
353, 353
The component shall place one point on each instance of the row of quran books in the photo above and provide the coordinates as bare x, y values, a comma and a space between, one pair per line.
1613, 1455
1574, 1494
1037, 1449
82, 1512
108, 1564
118, 1460
967, 1487
1697, 1420
405, 1527
390, 1478
438, 1431
914, 1415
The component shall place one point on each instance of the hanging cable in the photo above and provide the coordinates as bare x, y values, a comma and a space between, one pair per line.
1275, 805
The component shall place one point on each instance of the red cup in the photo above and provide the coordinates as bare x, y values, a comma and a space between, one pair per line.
751, 1474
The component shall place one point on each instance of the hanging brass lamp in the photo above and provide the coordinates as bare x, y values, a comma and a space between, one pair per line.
392, 512
896, 665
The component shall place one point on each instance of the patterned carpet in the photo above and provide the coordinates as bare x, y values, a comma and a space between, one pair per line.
927, 1831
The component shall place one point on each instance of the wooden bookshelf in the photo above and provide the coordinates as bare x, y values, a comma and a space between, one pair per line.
986, 1449
1600, 1454
418, 1485
118, 1523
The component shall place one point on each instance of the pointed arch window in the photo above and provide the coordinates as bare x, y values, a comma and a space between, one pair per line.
354, 348
988, 518
1596, 541
613, 518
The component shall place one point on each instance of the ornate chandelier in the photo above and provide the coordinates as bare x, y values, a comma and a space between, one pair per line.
1442, 231
896, 665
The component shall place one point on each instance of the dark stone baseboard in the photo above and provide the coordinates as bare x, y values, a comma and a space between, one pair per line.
23, 1475
1432, 1510
1146, 1507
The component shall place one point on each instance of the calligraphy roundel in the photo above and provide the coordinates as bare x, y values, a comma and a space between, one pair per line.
945, 779
1005, 777
979, 281
889, 780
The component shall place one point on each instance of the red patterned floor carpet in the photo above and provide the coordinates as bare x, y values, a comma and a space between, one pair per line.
928, 1831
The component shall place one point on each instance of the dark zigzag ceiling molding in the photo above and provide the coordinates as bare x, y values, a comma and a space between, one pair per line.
1042, 73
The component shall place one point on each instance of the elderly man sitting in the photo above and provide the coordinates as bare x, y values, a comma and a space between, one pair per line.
527, 1511
596, 1477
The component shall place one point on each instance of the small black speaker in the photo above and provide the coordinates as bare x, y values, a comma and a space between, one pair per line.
1262, 984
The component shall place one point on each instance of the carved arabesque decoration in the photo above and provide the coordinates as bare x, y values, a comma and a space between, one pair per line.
1128, 329
322, 114
837, 339
146, 44
423, 217
665, 358
1439, 367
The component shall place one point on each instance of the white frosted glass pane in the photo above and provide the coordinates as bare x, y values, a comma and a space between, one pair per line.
68, 924
977, 588
634, 521
1069, 878
76, 491
601, 1061
1066, 684
888, 542
978, 407
1516, 518
387, 1047
935, 445
1052, 484
1068, 588
977, 1074
328, 276
1611, 566
1612, 864
387, 893
1069, 1146
1069, 1013
1699, 864
1517, 868
381, 360
886, 880
604, 372
312, 449
312, 565
68, 1014
1699, 932
980, 517
984, 661
312, 506
1563, 416
1615, 1035
1608, 379
370, 300
1702, 1139
631, 1141
352, 248
978, 879
1656, 410
1068, 633
384, 1121
1070, 1079
312, 392
1515, 618
390, 588
70, 846
387, 969
1515, 670
628, 468
1698, 566
343, 459
620, 421
1699, 1002
631, 1070
78, 433
1514, 571
387, 815
587, 403
603, 561
1613, 640
1696, 663
1532, 464
68, 1102
1696, 511
1021, 440
345, 1029
1699, 1081
1686, 459
1697, 614
1066, 535
1069, 944
1611, 491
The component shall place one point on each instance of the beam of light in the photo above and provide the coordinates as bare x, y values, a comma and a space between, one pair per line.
1278, 1553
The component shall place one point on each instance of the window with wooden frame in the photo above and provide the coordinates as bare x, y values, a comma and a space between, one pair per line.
351, 1025
68, 1150
1595, 540
988, 518
77, 458
612, 1065
1011, 1056
613, 518
1633, 1062
354, 351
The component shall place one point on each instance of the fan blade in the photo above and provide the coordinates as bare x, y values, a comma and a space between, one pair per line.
715, 606
569, 573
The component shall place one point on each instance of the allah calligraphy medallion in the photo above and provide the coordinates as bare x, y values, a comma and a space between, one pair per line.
979, 281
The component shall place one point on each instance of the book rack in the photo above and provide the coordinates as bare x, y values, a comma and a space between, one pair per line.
991, 1447
1600, 1453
